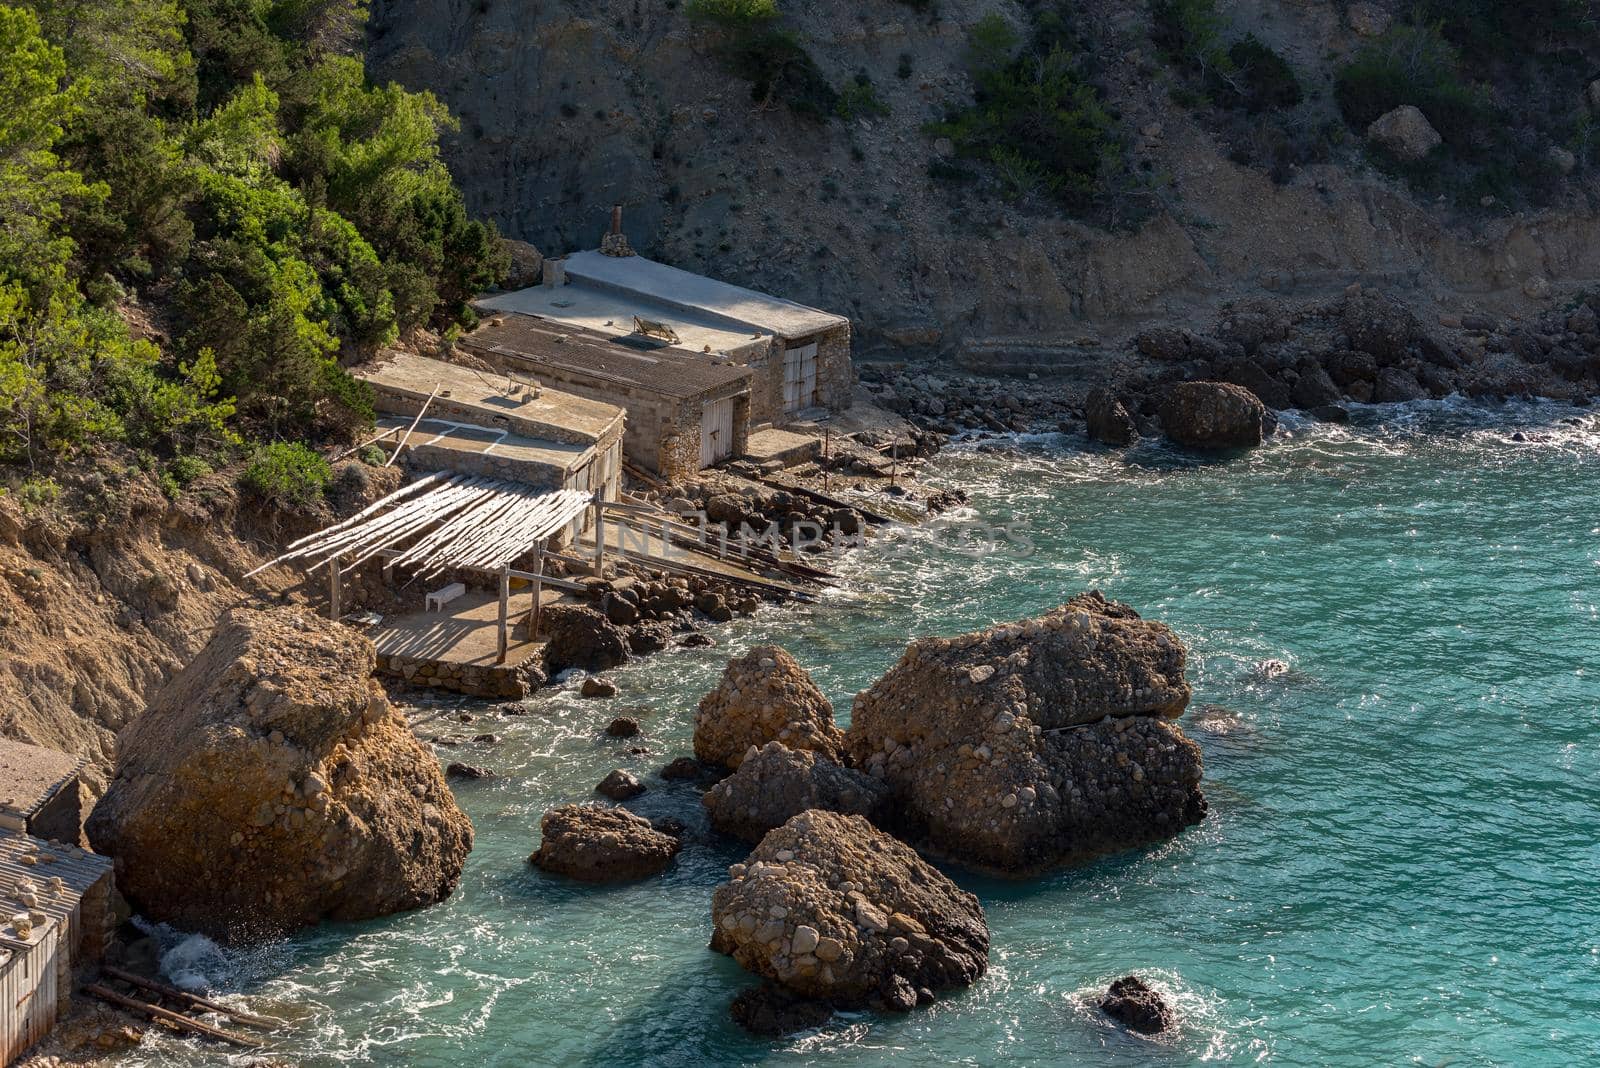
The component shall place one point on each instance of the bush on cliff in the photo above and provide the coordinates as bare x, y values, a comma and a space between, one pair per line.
774, 61
288, 475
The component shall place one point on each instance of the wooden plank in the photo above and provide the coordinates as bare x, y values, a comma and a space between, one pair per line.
178, 1020
174, 994
505, 605
398, 449
538, 594
599, 536
823, 498
335, 609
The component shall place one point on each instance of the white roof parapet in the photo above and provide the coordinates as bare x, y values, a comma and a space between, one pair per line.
678, 288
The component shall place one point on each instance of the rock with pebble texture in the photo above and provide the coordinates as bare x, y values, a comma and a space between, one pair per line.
1213, 415
1131, 1002
833, 909
601, 845
270, 785
777, 783
1036, 743
1107, 420
764, 696
620, 785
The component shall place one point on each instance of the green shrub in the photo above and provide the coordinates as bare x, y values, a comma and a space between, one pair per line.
780, 71
1034, 118
287, 475
187, 469
735, 14
1262, 80
859, 99
1413, 65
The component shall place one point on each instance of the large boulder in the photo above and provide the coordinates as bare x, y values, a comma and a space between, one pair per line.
1107, 420
778, 783
1213, 415
834, 909
1133, 1003
1405, 133
577, 636
601, 845
525, 267
1039, 743
764, 696
270, 785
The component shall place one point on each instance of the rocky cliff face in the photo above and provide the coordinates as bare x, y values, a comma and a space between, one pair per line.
271, 785
567, 108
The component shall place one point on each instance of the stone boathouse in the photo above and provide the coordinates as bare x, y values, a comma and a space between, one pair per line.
685, 411
798, 357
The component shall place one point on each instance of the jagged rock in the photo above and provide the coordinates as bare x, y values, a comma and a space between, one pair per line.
1258, 380
778, 783
1212, 415
1405, 133
1396, 385
770, 1011
649, 638
1330, 413
1314, 388
594, 686
620, 785
1164, 343
270, 785
601, 845
467, 771
577, 636
1107, 419
833, 909
764, 696
1379, 326
623, 727
1132, 1003
968, 732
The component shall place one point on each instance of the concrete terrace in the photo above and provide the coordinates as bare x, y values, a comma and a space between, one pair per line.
406, 381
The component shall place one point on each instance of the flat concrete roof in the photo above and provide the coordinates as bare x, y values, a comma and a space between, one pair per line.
31, 774
550, 418
604, 360
457, 437
695, 292
607, 312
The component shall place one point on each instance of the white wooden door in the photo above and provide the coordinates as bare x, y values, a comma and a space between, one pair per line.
716, 431
799, 377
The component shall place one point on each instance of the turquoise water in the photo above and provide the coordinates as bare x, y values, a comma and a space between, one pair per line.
1401, 858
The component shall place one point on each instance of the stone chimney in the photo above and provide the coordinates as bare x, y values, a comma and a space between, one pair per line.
615, 243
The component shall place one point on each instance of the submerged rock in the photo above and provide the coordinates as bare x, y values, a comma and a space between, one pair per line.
594, 686
623, 727
601, 845
764, 696
620, 785
778, 783
771, 1011
834, 909
270, 785
1213, 415
1037, 743
1131, 1002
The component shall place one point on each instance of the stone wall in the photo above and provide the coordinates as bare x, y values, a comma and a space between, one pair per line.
835, 375
499, 682
539, 475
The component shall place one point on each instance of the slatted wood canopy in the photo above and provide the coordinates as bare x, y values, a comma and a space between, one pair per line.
443, 521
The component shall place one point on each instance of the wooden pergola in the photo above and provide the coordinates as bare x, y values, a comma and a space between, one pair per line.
443, 522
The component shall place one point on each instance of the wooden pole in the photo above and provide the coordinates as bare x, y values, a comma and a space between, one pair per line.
505, 604
398, 449
538, 594
176, 1019
827, 440
335, 609
894, 463
599, 536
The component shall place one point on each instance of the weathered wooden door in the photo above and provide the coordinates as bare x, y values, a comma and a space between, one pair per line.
799, 378
716, 431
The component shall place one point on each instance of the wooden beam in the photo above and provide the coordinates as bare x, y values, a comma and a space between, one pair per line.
176, 1019
599, 536
538, 595
184, 997
398, 449
335, 578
